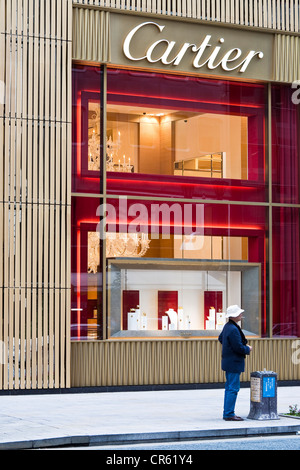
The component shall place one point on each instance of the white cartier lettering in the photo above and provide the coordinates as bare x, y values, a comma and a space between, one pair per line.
126, 44
164, 57
229, 60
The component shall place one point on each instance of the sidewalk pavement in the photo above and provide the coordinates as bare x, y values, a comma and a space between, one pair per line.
110, 418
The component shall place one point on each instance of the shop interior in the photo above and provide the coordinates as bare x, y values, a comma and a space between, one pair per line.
160, 141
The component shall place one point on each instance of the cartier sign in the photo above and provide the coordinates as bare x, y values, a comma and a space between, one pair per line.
173, 53
190, 47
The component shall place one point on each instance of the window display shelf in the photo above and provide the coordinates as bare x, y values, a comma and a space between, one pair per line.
180, 298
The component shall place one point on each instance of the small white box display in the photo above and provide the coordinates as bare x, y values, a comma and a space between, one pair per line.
210, 323
133, 319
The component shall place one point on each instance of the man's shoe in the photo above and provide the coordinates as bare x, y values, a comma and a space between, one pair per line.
234, 418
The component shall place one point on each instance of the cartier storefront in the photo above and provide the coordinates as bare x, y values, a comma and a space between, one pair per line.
185, 200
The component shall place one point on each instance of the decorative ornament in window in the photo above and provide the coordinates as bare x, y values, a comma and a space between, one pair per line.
126, 244
113, 161
132, 245
94, 137
93, 252
94, 152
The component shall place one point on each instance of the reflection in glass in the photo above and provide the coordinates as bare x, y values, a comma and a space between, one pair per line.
86, 276
286, 271
210, 165
285, 146
93, 136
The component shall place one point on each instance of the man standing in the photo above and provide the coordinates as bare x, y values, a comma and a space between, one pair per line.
234, 350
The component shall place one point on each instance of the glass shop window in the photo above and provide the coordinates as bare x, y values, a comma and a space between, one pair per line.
180, 299
86, 267
198, 138
86, 121
148, 141
177, 276
185, 127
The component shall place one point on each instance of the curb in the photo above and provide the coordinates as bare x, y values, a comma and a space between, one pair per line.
135, 438
286, 415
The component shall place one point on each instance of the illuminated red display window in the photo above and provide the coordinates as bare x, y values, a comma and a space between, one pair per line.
170, 136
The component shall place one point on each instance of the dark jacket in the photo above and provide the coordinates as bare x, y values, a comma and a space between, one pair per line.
234, 347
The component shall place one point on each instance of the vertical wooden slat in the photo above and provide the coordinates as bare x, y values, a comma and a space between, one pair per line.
213, 11
5, 337
28, 339
22, 366
3, 349
2, 157
278, 14
269, 16
17, 255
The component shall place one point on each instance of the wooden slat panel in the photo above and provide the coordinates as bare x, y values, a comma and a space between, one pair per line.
287, 58
35, 191
51, 339
5, 337
113, 363
275, 14
91, 35
22, 364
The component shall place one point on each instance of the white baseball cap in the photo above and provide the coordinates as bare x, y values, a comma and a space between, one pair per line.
233, 311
